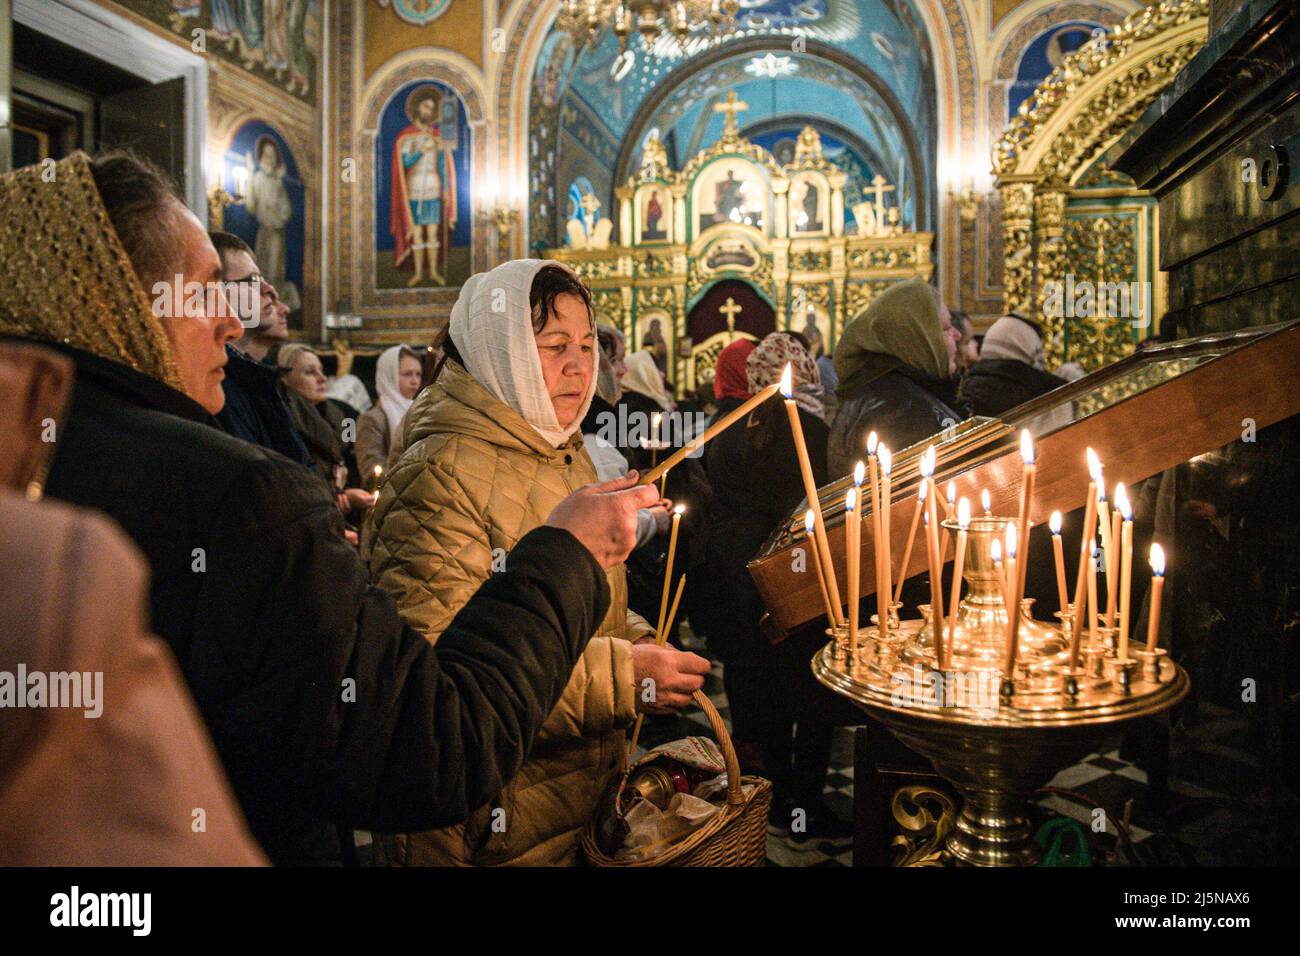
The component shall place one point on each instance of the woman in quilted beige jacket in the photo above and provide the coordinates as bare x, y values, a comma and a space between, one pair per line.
489, 449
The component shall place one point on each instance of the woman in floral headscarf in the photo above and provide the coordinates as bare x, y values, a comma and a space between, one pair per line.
754, 474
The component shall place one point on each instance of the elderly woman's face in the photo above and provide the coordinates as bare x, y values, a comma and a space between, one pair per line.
618, 361
307, 378
408, 376
565, 346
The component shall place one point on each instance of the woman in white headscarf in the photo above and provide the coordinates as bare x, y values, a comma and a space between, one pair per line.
397, 380
492, 446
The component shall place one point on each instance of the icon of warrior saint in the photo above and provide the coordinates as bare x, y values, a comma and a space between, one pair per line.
424, 211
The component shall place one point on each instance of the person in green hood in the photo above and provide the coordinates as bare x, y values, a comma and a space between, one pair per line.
896, 363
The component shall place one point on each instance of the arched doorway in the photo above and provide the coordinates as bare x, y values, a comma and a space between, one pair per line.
729, 310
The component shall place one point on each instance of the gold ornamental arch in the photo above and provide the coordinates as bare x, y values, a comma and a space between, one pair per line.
1080, 240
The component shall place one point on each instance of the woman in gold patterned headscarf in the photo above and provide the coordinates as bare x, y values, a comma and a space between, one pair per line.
67, 275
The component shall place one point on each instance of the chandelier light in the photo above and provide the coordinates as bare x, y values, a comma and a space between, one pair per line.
652, 19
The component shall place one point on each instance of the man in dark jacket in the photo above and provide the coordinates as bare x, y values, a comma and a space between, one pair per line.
325, 709
255, 408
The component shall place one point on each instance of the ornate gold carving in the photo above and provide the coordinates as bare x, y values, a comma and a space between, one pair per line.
926, 817
1139, 32
1050, 151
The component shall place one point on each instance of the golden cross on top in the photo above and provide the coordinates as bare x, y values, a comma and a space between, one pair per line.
731, 106
730, 310
878, 184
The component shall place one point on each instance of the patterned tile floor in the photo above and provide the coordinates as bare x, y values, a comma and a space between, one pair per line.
1215, 790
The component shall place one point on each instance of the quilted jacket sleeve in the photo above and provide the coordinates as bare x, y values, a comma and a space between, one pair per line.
431, 549
600, 695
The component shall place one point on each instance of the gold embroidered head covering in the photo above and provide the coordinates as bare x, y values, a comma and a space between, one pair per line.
64, 276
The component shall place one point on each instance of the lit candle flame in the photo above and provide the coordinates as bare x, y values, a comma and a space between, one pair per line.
679, 510
927, 462
379, 470
859, 474
1157, 560
1094, 466
995, 551
851, 499
1011, 540
986, 501
1122, 502
872, 441
886, 460
808, 521
1101, 487
963, 514
787, 380
1026, 447
952, 493
1054, 522
654, 421
921, 490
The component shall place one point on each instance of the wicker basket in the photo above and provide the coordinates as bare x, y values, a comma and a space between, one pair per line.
736, 836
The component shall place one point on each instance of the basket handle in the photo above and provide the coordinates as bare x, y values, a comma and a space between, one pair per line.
735, 796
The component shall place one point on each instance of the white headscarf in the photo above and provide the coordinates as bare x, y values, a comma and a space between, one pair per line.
388, 385
643, 377
1012, 338
492, 327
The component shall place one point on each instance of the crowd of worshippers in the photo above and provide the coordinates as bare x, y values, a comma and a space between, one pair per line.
292, 652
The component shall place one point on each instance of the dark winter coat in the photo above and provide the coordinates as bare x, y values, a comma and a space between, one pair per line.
901, 407
256, 409
994, 386
324, 707
753, 491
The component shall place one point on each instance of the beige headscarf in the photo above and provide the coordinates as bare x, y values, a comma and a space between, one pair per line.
900, 327
492, 328
643, 377
1013, 338
64, 276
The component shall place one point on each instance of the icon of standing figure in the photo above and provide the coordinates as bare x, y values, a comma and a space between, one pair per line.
424, 210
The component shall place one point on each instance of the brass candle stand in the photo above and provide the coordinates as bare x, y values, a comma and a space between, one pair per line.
995, 739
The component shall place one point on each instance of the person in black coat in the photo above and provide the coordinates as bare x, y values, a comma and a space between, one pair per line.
896, 362
326, 710
255, 408
1011, 369
753, 471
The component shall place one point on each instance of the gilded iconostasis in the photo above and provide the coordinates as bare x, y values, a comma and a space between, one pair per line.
377, 152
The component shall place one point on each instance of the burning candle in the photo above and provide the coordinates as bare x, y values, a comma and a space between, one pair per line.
951, 495
995, 552
810, 489
1113, 556
853, 547
1126, 568
714, 430
1059, 551
911, 539
1157, 592
963, 522
379, 473
1103, 522
936, 565
1094, 552
668, 569
1085, 549
873, 466
1028, 469
886, 552
817, 563
986, 502
1009, 547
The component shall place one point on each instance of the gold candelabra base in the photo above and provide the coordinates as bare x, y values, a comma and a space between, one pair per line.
996, 737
